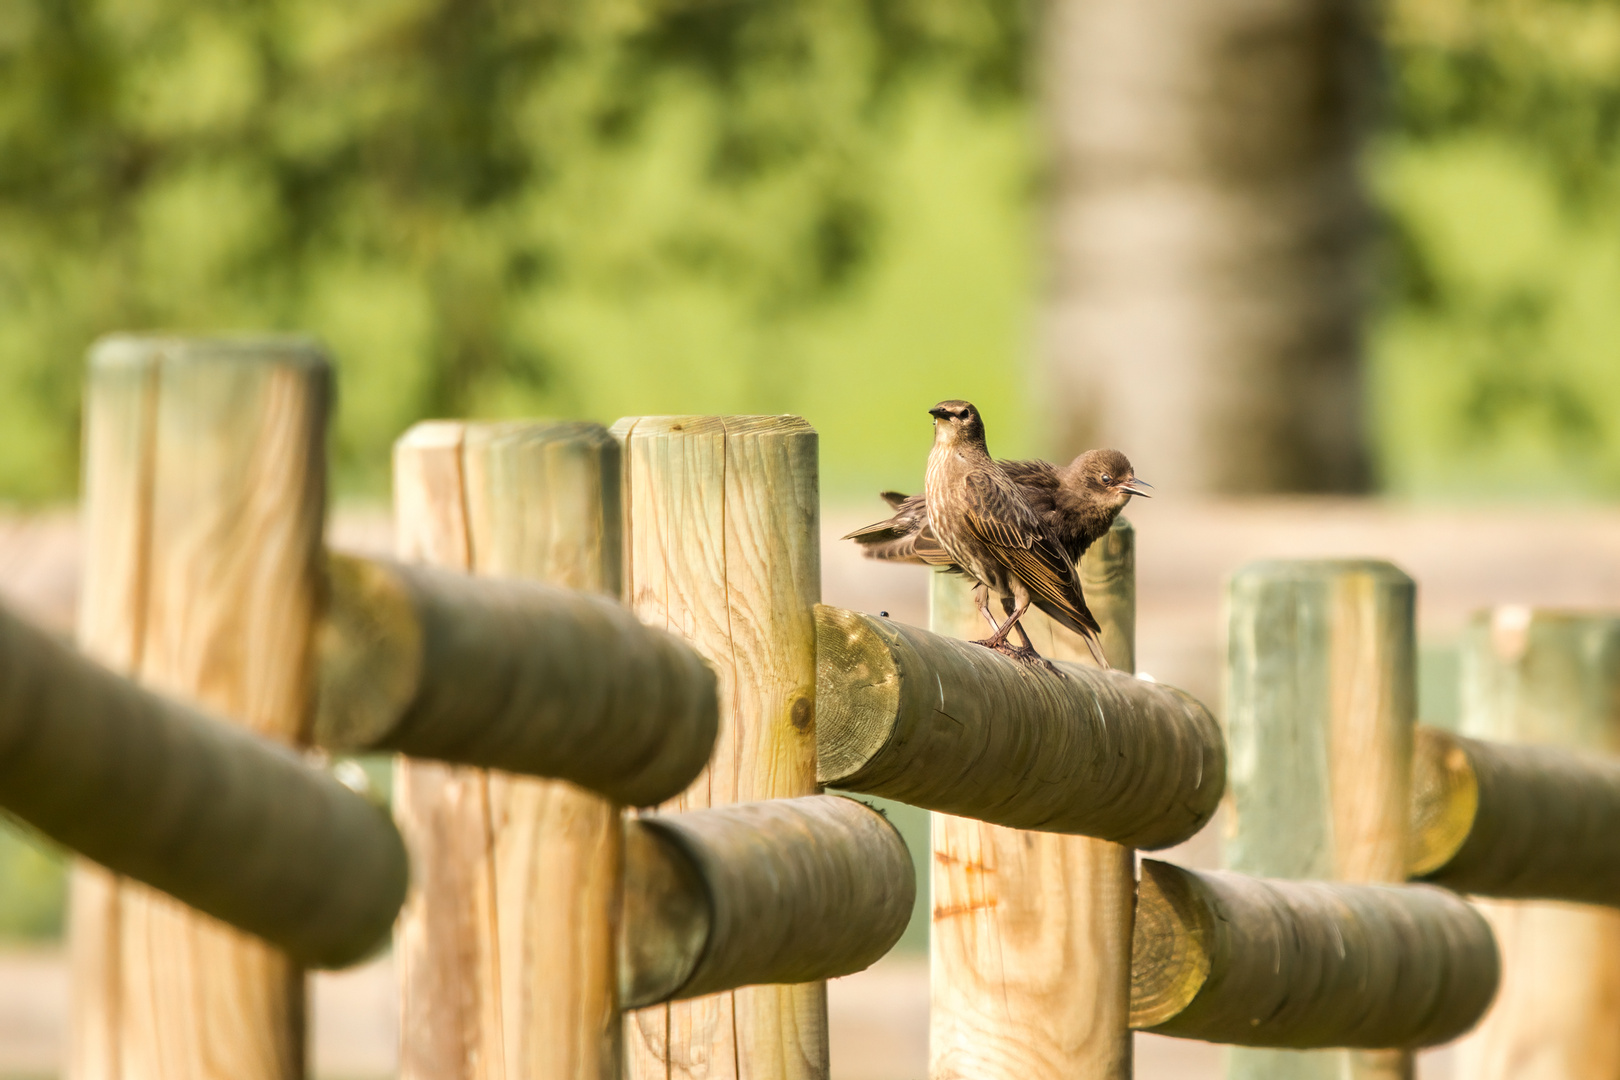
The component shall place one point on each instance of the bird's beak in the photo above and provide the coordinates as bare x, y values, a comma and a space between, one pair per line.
937, 414
1134, 486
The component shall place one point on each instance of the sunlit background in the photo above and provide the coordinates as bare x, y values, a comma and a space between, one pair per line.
843, 209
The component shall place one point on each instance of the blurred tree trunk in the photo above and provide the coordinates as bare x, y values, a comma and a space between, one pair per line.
1206, 228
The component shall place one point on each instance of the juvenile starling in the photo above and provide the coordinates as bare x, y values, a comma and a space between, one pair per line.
1079, 501
989, 530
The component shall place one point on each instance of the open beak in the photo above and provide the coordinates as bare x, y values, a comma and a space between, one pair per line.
1134, 486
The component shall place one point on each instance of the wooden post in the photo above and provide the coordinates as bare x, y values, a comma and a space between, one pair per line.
507, 947
1551, 679
1261, 962
778, 891
1319, 716
204, 499
1031, 945
722, 547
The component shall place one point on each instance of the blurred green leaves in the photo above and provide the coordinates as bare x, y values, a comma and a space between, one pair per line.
484, 207
1497, 353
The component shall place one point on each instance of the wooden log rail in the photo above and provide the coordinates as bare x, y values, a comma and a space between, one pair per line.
234, 825
1515, 821
511, 674
951, 726
1306, 965
780, 891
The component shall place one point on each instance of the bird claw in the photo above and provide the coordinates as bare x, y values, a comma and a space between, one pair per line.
1022, 654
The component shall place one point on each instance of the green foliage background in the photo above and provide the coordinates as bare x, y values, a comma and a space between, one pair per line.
578, 207
603, 207
1496, 353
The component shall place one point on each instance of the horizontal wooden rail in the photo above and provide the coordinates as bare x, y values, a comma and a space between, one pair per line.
1306, 965
781, 891
513, 675
1526, 822
234, 825
952, 726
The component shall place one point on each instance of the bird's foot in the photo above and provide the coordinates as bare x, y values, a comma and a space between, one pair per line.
1023, 654
1027, 655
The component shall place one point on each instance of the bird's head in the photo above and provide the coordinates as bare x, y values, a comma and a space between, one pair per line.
956, 422
1108, 475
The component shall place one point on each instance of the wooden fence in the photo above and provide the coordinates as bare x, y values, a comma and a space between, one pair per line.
614, 703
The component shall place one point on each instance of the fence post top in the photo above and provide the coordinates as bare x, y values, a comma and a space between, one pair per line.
119, 350
1306, 571
779, 424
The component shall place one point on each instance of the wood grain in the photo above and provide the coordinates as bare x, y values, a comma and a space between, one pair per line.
1030, 951
1319, 716
1551, 680
1249, 961
722, 547
447, 975
221, 548
1516, 821
191, 805
509, 946
948, 725
776, 891
120, 415
505, 673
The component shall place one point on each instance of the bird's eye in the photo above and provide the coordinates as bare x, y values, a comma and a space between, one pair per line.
1107, 479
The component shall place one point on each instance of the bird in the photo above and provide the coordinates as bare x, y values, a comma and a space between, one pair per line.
1080, 501
988, 529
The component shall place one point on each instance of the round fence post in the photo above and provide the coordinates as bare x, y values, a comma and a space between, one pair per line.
507, 950
204, 497
722, 547
1319, 715
1547, 678
1031, 943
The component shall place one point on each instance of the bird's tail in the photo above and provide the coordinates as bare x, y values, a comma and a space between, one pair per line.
1088, 630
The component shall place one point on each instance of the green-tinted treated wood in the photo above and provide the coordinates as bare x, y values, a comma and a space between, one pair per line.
509, 674
1031, 945
1320, 709
778, 891
1550, 679
171, 796
1516, 821
1251, 961
948, 725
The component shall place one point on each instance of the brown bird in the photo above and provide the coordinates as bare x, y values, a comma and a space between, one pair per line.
1079, 501
989, 530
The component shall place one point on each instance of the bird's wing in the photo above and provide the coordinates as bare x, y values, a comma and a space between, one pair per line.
1001, 518
905, 537
1031, 474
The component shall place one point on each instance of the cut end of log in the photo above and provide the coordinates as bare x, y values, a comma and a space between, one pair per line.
369, 649
1171, 945
773, 892
1445, 800
667, 911
857, 688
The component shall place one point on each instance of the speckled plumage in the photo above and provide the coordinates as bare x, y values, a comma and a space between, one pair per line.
988, 529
